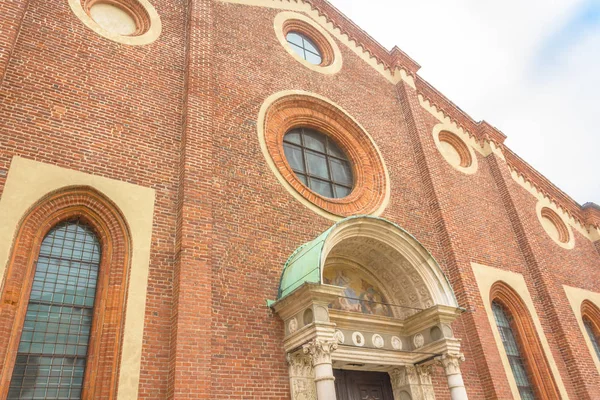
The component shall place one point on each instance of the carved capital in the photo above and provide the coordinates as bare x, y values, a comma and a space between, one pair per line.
320, 350
451, 363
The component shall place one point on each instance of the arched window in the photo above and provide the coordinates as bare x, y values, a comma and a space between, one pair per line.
503, 321
594, 336
591, 320
528, 362
52, 352
63, 299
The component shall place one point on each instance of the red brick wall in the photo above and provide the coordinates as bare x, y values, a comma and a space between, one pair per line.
79, 101
179, 116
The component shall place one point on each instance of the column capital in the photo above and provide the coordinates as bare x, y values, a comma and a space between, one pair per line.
451, 362
320, 350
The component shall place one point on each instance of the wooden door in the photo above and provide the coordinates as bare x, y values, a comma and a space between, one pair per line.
359, 385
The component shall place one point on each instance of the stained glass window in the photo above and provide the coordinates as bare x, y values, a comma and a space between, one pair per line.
503, 321
594, 336
304, 47
52, 353
318, 162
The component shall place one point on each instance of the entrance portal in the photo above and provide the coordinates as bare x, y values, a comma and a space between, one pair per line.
361, 385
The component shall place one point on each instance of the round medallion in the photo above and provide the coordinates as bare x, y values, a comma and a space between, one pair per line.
358, 339
396, 343
339, 336
293, 325
418, 340
377, 341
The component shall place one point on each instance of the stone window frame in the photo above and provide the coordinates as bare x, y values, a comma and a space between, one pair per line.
532, 352
107, 222
288, 109
149, 26
289, 21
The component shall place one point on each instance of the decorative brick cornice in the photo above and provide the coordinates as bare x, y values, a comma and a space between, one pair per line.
591, 214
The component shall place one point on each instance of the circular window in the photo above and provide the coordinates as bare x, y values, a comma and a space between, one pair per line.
307, 42
322, 156
555, 226
304, 47
454, 149
133, 22
318, 162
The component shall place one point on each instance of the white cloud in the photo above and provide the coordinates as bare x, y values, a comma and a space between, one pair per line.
490, 58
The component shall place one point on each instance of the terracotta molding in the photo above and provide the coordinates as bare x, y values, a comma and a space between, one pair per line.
105, 219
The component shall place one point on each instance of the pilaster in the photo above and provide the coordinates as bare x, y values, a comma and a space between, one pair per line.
190, 377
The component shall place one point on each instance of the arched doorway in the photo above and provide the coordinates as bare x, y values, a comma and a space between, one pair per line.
367, 296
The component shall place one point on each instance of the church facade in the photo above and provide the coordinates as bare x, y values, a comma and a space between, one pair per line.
253, 199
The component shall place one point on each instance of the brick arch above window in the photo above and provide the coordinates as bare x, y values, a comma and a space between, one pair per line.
105, 219
538, 369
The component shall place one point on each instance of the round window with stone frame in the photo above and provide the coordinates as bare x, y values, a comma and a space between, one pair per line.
307, 42
318, 162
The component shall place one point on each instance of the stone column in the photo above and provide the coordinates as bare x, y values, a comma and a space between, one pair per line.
451, 362
320, 350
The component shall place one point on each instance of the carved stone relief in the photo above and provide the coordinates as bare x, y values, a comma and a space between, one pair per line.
418, 340
377, 341
412, 382
396, 343
302, 377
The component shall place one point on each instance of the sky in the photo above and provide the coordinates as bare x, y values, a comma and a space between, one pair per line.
531, 68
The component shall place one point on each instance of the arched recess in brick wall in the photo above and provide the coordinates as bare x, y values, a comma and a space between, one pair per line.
106, 221
528, 341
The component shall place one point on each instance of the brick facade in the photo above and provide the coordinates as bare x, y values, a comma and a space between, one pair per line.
180, 116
